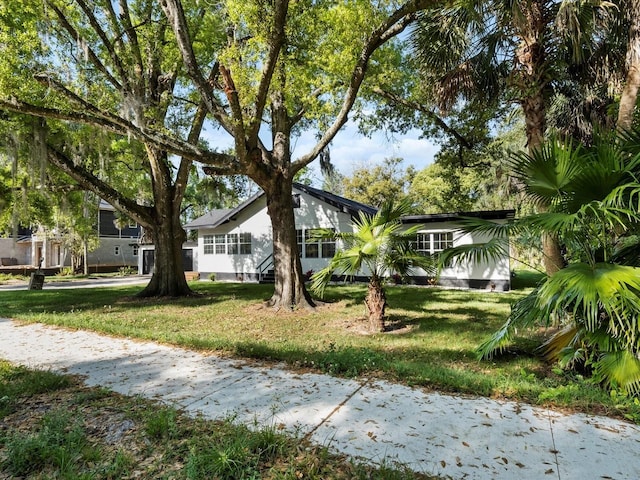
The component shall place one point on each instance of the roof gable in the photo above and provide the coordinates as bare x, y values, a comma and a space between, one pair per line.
217, 217
345, 205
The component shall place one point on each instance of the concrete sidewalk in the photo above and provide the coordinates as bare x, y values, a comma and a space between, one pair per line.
375, 421
91, 282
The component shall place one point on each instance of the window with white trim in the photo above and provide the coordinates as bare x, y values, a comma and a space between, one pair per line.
245, 243
328, 247
442, 241
311, 249
220, 244
429, 243
207, 240
325, 248
227, 244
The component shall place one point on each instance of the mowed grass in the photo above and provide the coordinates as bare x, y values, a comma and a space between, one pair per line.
431, 343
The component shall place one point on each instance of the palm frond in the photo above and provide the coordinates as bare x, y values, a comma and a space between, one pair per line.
556, 346
494, 249
475, 225
620, 369
547, 171
601, 294
525, 313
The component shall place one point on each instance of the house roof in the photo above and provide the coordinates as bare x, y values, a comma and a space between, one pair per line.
217, 217
220, 216
444, 217
351, 207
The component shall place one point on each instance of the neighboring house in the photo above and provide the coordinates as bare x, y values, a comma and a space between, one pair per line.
118, 245
236, 244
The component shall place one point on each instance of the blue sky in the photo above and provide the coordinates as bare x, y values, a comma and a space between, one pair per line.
351, 150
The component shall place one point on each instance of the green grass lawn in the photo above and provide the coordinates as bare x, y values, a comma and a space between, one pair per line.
431, 343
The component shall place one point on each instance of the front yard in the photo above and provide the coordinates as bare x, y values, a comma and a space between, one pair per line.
431, 343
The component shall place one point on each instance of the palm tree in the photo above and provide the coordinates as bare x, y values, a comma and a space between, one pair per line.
378, 247
592, 204
523, 52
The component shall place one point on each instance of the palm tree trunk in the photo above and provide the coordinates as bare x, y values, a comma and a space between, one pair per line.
629, 96
376, 303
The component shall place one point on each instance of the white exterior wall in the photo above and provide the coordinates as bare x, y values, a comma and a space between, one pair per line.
498, 272
314, 213
255, 220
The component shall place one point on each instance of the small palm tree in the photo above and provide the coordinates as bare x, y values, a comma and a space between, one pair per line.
378, 247
592, 204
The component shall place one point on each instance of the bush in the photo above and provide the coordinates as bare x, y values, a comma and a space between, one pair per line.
212, 277
126, 270
66, 272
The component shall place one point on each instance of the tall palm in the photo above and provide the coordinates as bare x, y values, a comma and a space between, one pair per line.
592, 197
489, 52
378, 246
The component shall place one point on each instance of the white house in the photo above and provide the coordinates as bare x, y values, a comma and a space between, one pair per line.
118, 245
236, 244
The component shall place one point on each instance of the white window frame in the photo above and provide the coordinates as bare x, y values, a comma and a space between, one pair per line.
431, 242
207, 244
237, 243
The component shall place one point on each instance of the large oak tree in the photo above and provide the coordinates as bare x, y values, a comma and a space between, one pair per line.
256, 68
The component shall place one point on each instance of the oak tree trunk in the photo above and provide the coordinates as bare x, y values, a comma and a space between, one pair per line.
376, 303
168, 279
289, 290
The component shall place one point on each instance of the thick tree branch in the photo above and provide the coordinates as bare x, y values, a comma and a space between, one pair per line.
182, 176
130, 31
218, 171
105, 41
391, 27
116, 125
392, 97
222, 164
89, 181
278, 37
125, 18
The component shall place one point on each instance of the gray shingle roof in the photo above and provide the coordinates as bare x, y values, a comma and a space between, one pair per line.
220, 216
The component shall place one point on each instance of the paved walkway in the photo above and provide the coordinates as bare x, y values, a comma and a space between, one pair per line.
443, 435
91, 282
